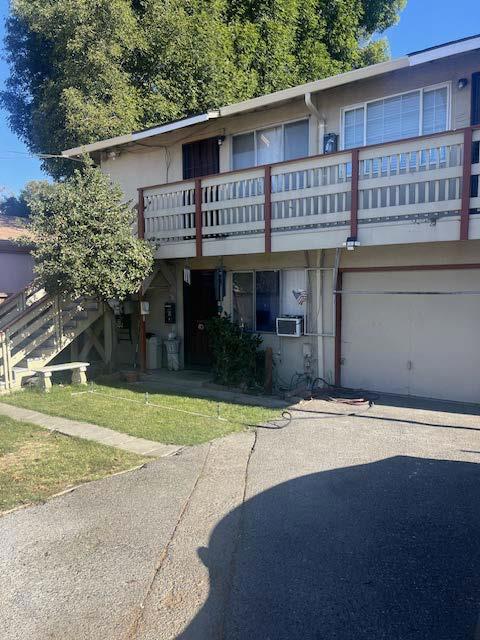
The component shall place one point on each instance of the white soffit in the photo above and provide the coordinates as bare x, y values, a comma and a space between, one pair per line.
140, 135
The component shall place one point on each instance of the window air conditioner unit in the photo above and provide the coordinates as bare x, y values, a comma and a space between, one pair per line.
290, 326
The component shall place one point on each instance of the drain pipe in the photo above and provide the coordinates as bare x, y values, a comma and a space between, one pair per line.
322, 121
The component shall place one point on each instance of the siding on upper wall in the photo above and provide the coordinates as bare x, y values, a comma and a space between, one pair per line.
139, 166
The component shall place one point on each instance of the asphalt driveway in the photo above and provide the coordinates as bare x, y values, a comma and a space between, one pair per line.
337, 526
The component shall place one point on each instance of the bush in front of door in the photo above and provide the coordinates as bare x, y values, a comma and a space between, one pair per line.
237, 358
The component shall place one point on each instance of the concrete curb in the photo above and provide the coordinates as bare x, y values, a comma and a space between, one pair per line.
87, 431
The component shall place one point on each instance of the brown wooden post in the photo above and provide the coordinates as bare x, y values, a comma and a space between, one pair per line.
338, 330
354, 191
466, 183
198, 217
141, 215
142, 338
267, 208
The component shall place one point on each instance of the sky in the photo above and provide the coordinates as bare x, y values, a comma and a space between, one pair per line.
423, 23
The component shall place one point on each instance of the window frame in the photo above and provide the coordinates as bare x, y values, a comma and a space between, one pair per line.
254, 296
364, 105
282, 124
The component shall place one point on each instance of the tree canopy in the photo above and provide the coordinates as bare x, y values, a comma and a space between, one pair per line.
82, 238
83, 70
17, 206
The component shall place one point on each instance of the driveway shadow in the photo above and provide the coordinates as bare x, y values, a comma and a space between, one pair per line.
387, 550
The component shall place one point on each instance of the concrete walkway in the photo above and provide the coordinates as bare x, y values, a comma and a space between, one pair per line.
89, 431
348, 524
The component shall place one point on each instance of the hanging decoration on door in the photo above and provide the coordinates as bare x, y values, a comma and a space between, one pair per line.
300, 295
187, 275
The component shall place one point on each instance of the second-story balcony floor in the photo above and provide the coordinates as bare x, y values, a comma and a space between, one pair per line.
423, 189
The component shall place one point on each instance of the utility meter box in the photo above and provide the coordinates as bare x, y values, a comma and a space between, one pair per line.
170, 313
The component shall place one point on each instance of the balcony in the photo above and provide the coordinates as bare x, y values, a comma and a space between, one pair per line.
423, 189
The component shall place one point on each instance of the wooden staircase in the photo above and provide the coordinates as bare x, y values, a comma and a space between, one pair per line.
35, 327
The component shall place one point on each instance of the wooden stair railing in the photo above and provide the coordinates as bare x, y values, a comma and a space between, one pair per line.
37, 322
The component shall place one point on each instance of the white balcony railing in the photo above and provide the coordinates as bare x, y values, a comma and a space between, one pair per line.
320, 201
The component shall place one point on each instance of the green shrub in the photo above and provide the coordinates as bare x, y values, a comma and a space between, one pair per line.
237, 359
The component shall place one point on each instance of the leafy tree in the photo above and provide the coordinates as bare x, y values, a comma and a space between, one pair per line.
17, 206
82, 70
83, 242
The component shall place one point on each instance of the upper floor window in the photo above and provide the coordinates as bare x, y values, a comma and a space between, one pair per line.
273, 144
403, 116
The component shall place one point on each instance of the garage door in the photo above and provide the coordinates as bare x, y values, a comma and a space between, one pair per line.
423, 345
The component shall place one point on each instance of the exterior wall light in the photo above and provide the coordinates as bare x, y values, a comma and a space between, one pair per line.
462, 83
351, 243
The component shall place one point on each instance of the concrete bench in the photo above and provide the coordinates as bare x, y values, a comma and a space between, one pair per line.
78, 369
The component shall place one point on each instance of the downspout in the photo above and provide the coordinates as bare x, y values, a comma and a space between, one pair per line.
320, 118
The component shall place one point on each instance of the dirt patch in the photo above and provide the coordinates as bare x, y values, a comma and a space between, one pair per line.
29, 452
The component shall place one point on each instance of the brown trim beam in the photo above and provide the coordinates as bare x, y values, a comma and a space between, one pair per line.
141, 215
267, 208
143, 336
198, 218
466, 183
354, 191
338, 330
411, 267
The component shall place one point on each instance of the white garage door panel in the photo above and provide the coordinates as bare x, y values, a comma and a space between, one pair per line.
418, 345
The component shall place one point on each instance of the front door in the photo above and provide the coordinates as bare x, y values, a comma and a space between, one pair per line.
199, 306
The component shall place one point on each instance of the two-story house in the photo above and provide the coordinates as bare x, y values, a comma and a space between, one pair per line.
350, 203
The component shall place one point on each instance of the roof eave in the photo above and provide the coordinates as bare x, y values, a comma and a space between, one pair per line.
102, 145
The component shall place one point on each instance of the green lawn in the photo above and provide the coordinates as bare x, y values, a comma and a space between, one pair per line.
36, 463
125, 410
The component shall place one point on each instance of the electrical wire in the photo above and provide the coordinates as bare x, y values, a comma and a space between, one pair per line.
41, 156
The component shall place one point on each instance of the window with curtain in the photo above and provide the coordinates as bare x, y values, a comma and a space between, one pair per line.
269, 145
273, 144
256, 299
295, 140
393, 118
242, 294
243, 151
267, 303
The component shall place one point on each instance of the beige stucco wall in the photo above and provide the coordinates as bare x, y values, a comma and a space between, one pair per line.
161, 162
140, 166
16, 270
287, 352
449, 70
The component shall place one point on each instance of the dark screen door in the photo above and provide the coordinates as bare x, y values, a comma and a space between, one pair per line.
476, 98
200, 158
199, 306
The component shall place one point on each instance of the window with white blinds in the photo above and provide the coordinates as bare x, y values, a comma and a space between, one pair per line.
435, 110
393, 118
